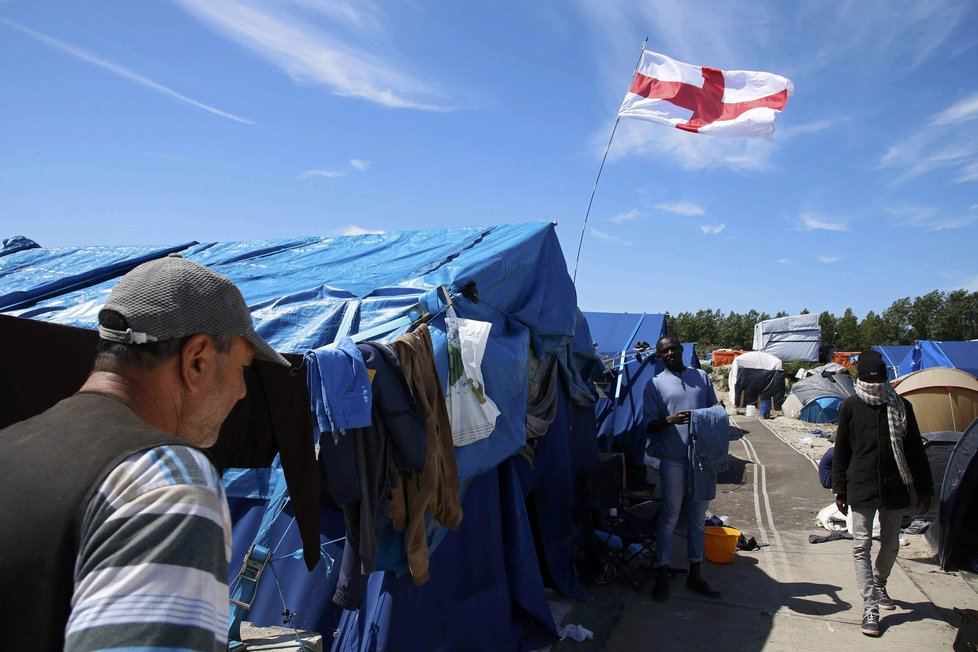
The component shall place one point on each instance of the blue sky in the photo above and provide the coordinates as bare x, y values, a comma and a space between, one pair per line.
158, 122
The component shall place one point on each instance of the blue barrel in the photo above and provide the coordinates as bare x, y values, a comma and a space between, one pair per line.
765, 408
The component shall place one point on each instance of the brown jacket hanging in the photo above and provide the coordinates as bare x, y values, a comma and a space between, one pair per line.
436, 489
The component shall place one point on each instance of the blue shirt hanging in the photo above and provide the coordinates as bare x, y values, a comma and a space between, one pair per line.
339, 387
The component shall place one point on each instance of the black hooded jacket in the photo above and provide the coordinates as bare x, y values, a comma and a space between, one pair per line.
864, 471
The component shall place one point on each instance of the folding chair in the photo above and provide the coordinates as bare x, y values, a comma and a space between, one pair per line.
626, 532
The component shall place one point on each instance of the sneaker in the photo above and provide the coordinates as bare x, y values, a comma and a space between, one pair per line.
883, 599
871, 622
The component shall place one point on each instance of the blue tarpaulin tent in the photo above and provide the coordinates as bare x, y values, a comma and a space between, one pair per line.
893, 356
487, 587
932, 353
619, 412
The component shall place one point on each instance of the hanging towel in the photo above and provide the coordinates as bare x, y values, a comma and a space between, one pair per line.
710, 436
339, 387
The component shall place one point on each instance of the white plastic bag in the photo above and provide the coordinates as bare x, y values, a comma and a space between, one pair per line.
471, 411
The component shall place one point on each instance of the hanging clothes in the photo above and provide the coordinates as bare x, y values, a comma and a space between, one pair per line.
434, 491
339, 386
541, 395
274, 418
364, 466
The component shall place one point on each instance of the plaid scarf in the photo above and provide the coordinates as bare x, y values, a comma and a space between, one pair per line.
896, 417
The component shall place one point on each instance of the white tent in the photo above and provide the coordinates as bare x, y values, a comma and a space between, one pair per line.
789, 338
756, 375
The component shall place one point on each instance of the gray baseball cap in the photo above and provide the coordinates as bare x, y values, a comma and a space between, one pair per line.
173, 297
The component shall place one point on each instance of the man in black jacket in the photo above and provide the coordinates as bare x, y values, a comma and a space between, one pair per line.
879, 455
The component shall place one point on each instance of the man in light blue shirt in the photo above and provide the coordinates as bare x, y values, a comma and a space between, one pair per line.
669, 398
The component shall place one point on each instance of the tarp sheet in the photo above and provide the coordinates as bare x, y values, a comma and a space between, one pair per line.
307, 292
299, 291
789, 338
933, 353
619, 414
28, 275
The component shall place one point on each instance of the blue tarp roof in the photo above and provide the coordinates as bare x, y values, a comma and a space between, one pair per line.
932, 353
614, 332
621, 413
306, 292
893, 356
300, 290
31, 274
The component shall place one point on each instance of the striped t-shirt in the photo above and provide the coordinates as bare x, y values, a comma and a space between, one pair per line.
151, 572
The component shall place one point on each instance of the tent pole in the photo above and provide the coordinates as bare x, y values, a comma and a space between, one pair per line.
598, 178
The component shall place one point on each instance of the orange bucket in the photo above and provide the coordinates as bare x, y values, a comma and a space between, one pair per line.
720, 544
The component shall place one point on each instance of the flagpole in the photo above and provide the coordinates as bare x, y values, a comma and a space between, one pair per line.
598, 178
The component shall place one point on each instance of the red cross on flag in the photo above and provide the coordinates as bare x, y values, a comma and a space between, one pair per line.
705, 100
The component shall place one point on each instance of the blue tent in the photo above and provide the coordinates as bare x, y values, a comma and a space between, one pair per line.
690, 358
822, 410
619, 412
487, 587
892, 357
931, 353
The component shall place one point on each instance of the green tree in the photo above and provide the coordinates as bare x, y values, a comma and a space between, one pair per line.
681, 326
828, 324
872, 331
923, 314
896, 319
728, 330
847, 332
957, 317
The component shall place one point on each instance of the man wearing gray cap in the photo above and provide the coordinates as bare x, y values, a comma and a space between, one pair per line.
122, 530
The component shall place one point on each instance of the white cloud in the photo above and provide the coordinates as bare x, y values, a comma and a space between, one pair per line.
969, 284
932, 219
962, 111
943, 143
809, 128
120, 71
627, 216
811, 222
690, 151
683, 207
361, 16
784, 261
607, 237
828, 259
711, 229
353, 229
309, 53
322, 174
871, 34
358, 164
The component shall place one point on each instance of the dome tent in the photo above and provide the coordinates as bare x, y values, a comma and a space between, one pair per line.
816, 399
942, 398
953, 536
